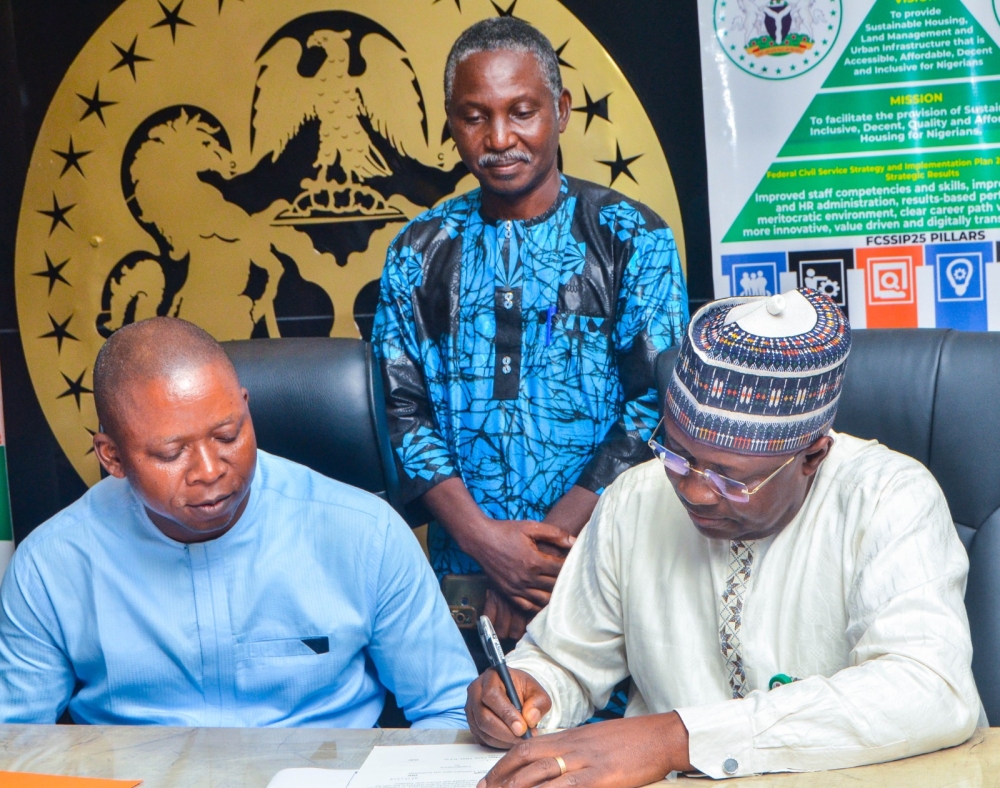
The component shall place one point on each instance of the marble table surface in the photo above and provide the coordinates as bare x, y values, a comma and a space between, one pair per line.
249, 757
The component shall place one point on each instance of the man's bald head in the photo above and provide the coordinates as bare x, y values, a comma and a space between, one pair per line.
158, 348
175, 424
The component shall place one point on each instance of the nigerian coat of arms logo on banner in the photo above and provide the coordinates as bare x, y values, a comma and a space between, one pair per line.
777, 39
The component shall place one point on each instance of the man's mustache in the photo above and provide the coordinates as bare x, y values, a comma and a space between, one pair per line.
507, 157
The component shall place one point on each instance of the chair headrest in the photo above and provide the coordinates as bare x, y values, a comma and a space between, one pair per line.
313, 401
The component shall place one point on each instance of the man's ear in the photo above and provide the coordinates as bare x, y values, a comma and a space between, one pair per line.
108, 455
565, 106
816, 453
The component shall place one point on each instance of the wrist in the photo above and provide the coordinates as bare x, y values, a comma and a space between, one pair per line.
472, 535
573, 511
455, 510
564, 524
673, 750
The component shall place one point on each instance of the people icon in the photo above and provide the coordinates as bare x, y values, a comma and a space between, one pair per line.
754, 284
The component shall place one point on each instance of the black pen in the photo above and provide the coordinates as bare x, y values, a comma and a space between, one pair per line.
491, 645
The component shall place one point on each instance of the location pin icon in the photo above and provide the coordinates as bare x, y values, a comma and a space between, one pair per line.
959, 273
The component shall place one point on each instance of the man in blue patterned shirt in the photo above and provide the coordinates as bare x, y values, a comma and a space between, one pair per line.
518, 328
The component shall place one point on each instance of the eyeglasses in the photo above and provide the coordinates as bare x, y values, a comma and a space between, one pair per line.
726, 487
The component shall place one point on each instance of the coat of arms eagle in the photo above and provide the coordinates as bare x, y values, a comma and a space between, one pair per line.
338, 128
348, 82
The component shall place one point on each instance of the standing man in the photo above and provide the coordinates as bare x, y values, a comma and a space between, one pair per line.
517, 329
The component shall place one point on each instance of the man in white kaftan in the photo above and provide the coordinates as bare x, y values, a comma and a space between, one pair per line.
810, 619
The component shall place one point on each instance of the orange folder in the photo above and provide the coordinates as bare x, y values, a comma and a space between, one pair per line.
26, 780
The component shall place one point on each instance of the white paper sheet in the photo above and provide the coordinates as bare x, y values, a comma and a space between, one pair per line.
312, 778
427, 766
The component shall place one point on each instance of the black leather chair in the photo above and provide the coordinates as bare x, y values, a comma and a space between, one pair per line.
935, 395
319, 402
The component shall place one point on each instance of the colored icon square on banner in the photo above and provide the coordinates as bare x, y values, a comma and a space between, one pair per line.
960, 284
890, 285
960, 277
826, 276
754, 274
824, 271
755, 279
891, 280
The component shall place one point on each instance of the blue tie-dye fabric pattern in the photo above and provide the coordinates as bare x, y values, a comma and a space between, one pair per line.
601, 293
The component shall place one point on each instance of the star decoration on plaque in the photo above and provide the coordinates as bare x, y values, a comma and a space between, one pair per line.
58, 214
173, 19
95, 104
559, 57
53, 272
71, 156
59, 332
76, 388
594, 109
92, 434
129, 57
620, 166
508, 12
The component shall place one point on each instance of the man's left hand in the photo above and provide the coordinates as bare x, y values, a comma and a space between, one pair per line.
614, 754
509, 621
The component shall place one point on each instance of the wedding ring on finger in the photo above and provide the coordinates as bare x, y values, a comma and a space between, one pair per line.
561, 764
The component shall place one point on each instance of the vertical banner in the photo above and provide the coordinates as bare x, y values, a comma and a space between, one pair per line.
853, 147
6, 525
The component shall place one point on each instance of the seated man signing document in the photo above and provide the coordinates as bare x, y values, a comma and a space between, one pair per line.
207, 583
784, 597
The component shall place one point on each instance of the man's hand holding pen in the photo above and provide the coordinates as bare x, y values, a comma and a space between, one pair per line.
492, 717
498, 661
614, 754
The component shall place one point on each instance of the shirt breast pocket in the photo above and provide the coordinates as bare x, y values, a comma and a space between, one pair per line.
577, 350
288, 667
283, 647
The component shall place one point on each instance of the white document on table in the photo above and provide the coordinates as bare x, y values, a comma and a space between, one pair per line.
312, 778
426, 766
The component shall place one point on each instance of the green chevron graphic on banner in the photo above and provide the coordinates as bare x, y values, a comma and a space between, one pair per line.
965, 113
939, 39
920, 46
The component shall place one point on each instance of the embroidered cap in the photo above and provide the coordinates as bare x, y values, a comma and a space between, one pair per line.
761, 375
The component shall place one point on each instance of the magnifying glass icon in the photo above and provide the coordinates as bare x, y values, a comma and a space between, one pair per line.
890, 281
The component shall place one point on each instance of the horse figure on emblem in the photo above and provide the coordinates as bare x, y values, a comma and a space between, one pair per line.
339, 150
215, 265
